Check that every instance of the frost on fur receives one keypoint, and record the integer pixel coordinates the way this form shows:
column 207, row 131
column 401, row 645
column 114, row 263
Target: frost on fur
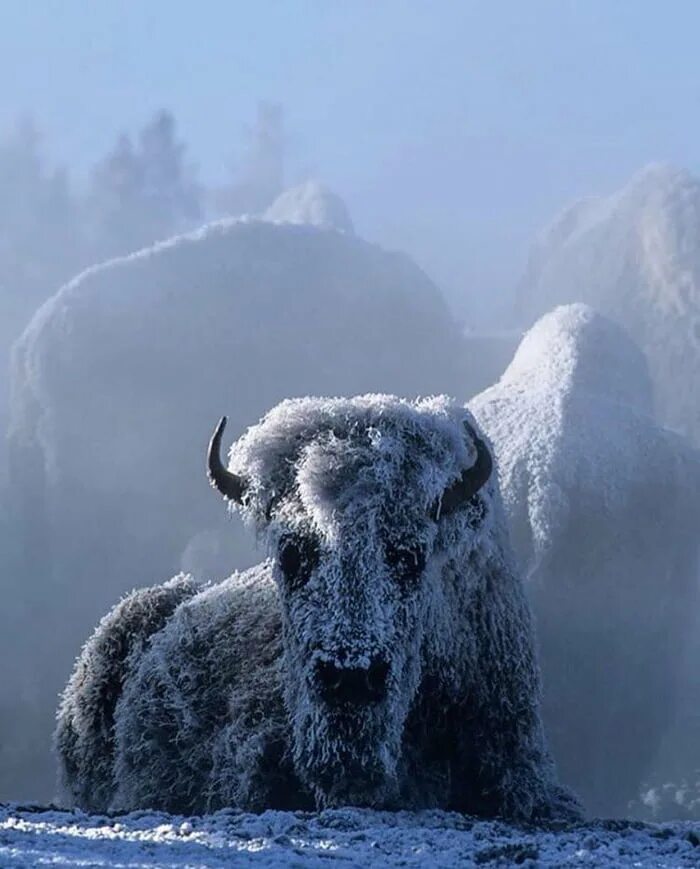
column 602, row 505
column 85, row 735
column 382, row 656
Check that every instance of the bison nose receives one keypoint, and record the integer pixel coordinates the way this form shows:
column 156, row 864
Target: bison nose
column 357, row 685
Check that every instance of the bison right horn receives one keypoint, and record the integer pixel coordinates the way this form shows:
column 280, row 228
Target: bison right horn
column 231, row 486
column 471, row 480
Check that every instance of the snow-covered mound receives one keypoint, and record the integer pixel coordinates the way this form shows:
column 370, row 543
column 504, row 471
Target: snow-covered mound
column 120, row 377
column 602, row 505
column 32, row 836
column 634, row 256
column 311, row 203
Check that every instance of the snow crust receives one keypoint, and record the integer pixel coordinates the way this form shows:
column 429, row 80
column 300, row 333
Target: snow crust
column 310, row 203
column 34, row 836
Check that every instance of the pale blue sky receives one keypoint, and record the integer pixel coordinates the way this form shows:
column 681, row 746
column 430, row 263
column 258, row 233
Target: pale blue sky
column 454, row 130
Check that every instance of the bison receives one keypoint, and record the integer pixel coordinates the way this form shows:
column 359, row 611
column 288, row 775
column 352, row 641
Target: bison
column 602, row 504
column 382, row 656
column 145, row 346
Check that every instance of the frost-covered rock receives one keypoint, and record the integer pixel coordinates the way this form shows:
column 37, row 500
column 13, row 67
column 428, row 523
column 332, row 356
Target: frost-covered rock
column 118, row 376
column 382, row 657
column 634, row 256
column 603, row 507
column 311, row 203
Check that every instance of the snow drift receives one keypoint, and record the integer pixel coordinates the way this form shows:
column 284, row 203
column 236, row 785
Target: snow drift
column 603, row 509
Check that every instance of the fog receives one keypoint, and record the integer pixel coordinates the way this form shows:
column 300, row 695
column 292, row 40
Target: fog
column 205, row 212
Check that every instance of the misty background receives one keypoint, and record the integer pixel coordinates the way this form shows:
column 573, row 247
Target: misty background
column 502, row 150
column 454, row 131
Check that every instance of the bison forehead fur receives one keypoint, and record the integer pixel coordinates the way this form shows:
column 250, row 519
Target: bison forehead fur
column 382, row 656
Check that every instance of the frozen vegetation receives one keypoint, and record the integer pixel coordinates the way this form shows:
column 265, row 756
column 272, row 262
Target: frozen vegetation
column 603, row 507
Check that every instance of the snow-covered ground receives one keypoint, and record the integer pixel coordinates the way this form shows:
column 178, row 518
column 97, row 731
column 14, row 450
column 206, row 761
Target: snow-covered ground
column 33, row 836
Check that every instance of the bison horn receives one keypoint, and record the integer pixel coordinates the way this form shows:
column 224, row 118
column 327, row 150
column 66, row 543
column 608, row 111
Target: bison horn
column 231, row 486
column 471, row 480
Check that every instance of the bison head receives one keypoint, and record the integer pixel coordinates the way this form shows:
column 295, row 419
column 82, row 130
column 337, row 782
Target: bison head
column 370, row 507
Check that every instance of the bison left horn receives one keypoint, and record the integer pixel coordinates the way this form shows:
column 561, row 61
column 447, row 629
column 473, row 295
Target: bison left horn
column 231, row 486
column 471, row 480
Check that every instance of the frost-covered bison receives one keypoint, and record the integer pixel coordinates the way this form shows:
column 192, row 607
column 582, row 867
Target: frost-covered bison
column 121, row 371
column 382, row 657
column 635, row 257
column 603, row 507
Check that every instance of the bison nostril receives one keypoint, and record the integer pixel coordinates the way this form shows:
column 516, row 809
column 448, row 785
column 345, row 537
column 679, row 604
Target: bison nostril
column 332, row 678
column 358, row 685
column 376, row 677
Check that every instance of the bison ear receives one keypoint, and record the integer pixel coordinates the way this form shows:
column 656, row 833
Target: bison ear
column 471, row 480
column 231, row 486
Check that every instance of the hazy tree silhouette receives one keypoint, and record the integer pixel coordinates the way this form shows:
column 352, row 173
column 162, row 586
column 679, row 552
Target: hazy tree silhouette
column 141, row 192
column 260, row 177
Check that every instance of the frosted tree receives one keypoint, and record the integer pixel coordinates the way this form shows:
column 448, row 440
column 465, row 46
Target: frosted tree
column 168, row 190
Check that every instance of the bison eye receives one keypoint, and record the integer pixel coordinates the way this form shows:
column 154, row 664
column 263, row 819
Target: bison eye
column 297, row 559
column 406, row 562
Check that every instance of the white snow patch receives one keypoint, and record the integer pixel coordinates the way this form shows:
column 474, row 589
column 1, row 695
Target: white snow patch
column 34, row 836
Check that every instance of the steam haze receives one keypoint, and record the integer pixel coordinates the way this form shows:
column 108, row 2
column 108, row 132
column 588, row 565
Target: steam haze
column 453, row 130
